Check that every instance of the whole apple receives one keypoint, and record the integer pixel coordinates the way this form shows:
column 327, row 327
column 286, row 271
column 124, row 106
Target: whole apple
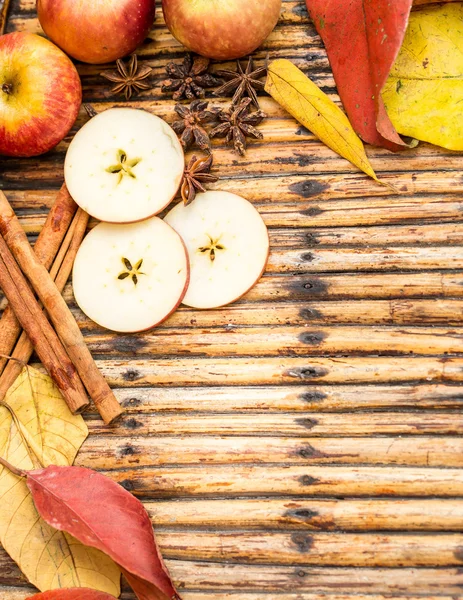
column 40, row 94
column 221, row 29
column 97, row 31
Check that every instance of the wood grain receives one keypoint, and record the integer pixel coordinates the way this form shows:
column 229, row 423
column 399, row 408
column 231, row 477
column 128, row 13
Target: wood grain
column 304, row 443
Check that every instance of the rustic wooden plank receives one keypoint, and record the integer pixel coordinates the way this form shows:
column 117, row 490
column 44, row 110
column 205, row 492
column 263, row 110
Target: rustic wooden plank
column 401, row 258
column 304, row 209
column 291, row 480
column 318, row 183
column 312, row 514
column 436, row 234
column 417, row 235
column 281, row 424
column 296, row 288
column 280, row 341
column 296, row 398
column 366, row 312
column 287, row 370
column 210, row 577
column 158, row 449
column 302, row 548
column 423, row 284
column 286, row 148
column 375, row 259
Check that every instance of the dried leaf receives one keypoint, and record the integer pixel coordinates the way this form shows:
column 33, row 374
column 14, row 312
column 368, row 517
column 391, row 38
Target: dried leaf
column 363, row 39
column 37, row 429
column 311, row 107
column 424, row 93
column 103, row 515
column 72, row 594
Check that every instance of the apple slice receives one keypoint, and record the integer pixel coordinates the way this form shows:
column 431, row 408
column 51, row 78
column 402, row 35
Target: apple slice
column 131, row 277
column 228, row 246
column 124, row 165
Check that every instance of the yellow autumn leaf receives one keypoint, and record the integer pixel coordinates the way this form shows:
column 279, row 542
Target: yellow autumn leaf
column 424, row 92
column 36, row 430
column 310, row 106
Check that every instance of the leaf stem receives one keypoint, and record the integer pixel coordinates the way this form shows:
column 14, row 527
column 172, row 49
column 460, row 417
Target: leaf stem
column 6, row 357
column 14, row 470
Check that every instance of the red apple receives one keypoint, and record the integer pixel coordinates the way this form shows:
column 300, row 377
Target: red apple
column 97, row 31
column 221, row 29
column 40, row 94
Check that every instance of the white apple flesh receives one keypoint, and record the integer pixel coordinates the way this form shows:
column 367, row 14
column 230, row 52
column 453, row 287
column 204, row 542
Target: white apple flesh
column 130, row 278
column 228, row 246
column 124, row 165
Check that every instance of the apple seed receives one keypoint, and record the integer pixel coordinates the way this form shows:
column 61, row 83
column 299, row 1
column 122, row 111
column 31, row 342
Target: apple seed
column 124, row 166
column 212, row 247
column 132, row 272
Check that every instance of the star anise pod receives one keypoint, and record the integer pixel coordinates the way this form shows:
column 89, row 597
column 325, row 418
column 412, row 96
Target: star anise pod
column 196, row 174
column 244, row 82
column 189, row 79
column 129, row 79
column 237, row 123
column 190, row 128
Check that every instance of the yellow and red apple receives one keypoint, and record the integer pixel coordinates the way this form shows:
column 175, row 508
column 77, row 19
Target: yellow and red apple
column 40, row 94
column 97, row 31
column 221, row 29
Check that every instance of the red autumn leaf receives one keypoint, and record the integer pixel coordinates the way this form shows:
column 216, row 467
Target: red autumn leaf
column 362, row 39
column 101, row 514
column 72, row 594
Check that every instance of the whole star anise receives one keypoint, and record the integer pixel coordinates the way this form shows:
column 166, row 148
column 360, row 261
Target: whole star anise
column 196, row 174
column 190, row 128
column 237, row 123
column 244, row 82
column 189, row 79
column 129, row 79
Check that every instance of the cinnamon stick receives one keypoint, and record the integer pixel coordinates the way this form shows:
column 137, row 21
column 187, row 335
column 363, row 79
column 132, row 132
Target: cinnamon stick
column 46, row 248
column 47, row 344
column 60, row 272
column 59, row 313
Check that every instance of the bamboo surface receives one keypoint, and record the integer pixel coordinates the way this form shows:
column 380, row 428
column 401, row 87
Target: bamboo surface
column 306, row 442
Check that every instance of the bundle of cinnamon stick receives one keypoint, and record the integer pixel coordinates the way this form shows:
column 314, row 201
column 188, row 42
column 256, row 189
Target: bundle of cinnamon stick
column 53, row 334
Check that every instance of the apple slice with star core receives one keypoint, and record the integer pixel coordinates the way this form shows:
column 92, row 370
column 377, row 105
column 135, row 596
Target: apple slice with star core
column 129, row 278
column 124, row 165
column 228, row 246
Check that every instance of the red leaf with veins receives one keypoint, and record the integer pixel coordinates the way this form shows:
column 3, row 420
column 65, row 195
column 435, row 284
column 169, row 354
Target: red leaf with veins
column 72, row 594
column 362, row 39
column 101, row 514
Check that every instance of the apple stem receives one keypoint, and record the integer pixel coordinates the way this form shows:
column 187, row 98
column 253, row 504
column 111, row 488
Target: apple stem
column 7, row 88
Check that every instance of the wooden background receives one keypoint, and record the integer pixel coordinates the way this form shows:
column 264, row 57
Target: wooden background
column 307, row 440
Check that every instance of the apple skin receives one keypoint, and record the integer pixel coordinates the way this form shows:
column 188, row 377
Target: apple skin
column 40, row 94
column 221, row 29
column 97, row 32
